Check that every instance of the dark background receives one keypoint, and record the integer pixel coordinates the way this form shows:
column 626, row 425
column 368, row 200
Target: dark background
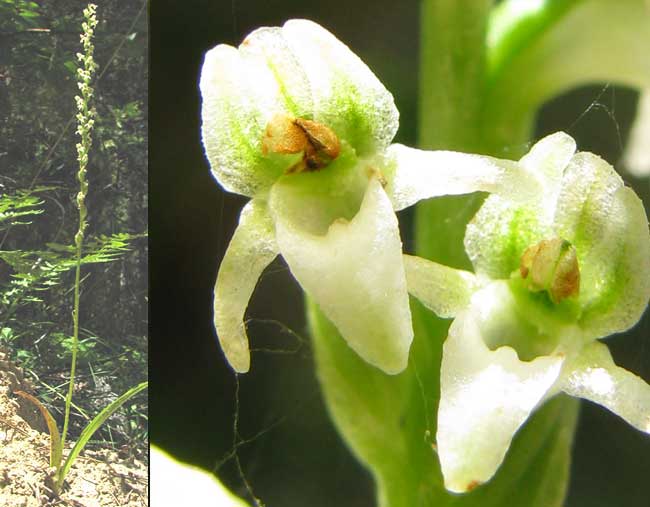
column 292, row 455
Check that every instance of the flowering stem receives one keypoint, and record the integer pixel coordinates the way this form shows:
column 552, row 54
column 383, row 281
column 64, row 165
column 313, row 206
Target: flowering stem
column 85, row 123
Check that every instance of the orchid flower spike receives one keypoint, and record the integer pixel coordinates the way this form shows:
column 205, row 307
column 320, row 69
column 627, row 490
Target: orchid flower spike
column 296, row 121
column 553, row 274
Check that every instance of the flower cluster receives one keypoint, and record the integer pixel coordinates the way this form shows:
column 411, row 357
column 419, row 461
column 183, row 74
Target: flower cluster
column 560, row 249
column 85, row 113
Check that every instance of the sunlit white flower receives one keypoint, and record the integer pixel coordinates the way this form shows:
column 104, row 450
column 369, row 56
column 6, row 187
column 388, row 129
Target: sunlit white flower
column 294, row 120
column 553, row 273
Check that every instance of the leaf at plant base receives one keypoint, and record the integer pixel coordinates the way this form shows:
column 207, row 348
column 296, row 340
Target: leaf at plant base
column 92, row 427
column 56, row 450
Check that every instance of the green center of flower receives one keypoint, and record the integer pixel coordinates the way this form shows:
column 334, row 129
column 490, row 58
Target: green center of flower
column 552, row 266
column 286, row 135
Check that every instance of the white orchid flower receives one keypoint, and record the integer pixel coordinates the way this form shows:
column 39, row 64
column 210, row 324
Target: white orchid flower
column 296, row 121
column 553, row 274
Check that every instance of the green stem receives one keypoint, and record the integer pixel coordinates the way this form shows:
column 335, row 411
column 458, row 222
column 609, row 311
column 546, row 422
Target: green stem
column 452, row 68
column 75, row 343
column 452, row 63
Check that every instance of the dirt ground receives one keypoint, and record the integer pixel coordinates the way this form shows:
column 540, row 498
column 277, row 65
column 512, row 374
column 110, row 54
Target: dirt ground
column 97, row 478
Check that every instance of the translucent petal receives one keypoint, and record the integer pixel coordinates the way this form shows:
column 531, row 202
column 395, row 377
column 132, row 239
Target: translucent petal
column 347, row 96
column 269, row 45
column 251, row 249
column 299, row 70
column 240, row 95
column 414, row 175
column 607, row 224
column 594, row 376
column 485, row 397
column 355, row 274
column 505, row 226
column 500, row 232
column 443, row 290
column 548, row 159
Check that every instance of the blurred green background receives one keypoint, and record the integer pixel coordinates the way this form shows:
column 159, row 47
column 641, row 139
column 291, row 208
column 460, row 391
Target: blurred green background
column 292, row 455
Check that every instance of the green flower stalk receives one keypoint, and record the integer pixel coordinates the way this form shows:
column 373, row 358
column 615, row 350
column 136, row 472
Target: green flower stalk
column 85, row 122
column 296, row 121
column 553, row 274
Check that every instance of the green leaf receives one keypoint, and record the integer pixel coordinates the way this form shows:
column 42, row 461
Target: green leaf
column 71, row 66
column 21, row 204
column 56, row 449
column 92, row 427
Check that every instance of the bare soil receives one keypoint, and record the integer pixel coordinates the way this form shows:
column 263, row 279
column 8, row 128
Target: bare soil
column 96, row 479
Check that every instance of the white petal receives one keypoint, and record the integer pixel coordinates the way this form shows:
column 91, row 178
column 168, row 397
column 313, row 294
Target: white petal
column 251, row 249
column 485, row 397
column 443, row 290
column 414, row 175
column 594, row 376
column 269, row 45
column 347, row 96
column 298, row 70
column 607, row 224
column 240, row 94
column 547, row 159
column 355, row 274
